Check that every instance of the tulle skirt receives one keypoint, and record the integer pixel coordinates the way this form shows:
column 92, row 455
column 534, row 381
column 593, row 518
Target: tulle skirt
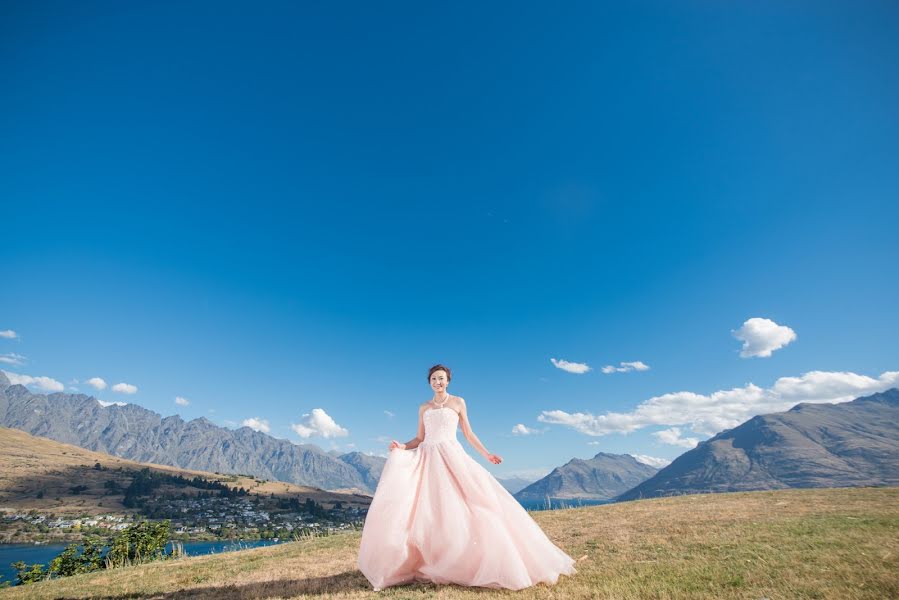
column 439, row 516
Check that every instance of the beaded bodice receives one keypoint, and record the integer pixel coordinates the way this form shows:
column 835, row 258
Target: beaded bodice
column 440, row 425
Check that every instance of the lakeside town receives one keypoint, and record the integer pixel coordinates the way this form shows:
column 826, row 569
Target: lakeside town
column 192, row 518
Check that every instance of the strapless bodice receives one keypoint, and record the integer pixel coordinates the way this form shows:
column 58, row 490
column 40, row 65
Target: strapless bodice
column 440, row 425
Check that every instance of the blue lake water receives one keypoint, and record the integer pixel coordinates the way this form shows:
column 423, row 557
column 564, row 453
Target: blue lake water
column 44, row 553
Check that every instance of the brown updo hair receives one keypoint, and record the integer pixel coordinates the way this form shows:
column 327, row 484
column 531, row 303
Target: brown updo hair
column 449, row 374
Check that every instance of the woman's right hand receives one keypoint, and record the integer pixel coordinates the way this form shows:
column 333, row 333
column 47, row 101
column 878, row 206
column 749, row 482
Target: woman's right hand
column 396, row 444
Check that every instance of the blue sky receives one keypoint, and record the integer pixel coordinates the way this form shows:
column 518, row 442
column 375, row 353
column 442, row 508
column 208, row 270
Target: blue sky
column 268, row 210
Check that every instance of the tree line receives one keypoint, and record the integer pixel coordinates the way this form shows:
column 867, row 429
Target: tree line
column 146, row 481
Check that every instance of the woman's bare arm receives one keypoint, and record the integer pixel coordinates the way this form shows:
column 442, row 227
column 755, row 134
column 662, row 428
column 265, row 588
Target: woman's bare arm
column 420, row 436
column 470, row 435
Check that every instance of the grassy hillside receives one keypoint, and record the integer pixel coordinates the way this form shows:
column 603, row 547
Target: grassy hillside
column 30, row 464
column 813, row 543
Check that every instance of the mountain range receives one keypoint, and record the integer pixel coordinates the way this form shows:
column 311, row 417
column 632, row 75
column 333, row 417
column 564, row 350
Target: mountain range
column 811, row 445
column 141, row 435
column 599, row 478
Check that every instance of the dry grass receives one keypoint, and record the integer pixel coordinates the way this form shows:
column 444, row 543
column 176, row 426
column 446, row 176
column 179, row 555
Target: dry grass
column 785, row 544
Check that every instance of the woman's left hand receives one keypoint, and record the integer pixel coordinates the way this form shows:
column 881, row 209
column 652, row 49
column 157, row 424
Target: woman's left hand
column 495, row 458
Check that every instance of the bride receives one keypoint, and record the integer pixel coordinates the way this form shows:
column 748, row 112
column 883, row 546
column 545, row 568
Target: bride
column 439, row 516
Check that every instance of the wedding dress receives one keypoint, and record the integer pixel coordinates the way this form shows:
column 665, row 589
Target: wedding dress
column 439, row 516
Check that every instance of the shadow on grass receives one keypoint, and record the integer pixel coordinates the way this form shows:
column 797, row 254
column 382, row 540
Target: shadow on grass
column 348, row 581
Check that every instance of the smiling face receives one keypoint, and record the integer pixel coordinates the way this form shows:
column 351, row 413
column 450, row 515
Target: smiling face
column 439, row 381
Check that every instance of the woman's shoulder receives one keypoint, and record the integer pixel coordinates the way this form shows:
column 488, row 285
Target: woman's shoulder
column 457, row 402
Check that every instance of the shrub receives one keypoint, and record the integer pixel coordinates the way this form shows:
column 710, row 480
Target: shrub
column 142, row 542
column 70, row 562
column 28, row 574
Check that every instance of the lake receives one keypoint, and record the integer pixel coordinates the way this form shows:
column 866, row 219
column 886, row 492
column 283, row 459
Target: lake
column 44, row 553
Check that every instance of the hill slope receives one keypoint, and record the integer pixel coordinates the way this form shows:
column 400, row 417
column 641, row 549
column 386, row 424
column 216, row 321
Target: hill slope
column 812, row 543
column 30, row 464
column 811, row 445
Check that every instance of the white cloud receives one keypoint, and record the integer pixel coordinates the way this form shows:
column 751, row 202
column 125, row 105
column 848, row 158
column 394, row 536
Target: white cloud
column 724, row 409
column 97, row 383
column 652, row 461
column 626, row 366
column 673, row 437
column 105, row 404
column 522, row 429
column 320, row 424
column 9, row 334
column 46, row 384
column 571, row 367
column 11, row 358
column 839, row 386
column 124, row 388
column 257, row 424
column 389, row 414
column 761, row 337
column 181, row 401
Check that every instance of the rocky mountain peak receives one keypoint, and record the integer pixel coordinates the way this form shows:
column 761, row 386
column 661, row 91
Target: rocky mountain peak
column 601, row 478
column 820, row 444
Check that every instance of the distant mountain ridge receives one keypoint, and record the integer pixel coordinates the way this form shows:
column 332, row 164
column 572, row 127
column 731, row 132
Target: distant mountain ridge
column 811, row 445
column 599, row 478
column 514, row 484
column 141, row 435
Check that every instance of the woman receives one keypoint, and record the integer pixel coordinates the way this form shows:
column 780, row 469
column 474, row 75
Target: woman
column 439, row 516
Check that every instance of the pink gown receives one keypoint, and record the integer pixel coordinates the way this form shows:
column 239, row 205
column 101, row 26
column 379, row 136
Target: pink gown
column 439, row 516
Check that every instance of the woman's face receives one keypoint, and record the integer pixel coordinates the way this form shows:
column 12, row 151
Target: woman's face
column 439, row 381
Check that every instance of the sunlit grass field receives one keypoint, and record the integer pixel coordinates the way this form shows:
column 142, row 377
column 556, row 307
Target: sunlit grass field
column 814, row 543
